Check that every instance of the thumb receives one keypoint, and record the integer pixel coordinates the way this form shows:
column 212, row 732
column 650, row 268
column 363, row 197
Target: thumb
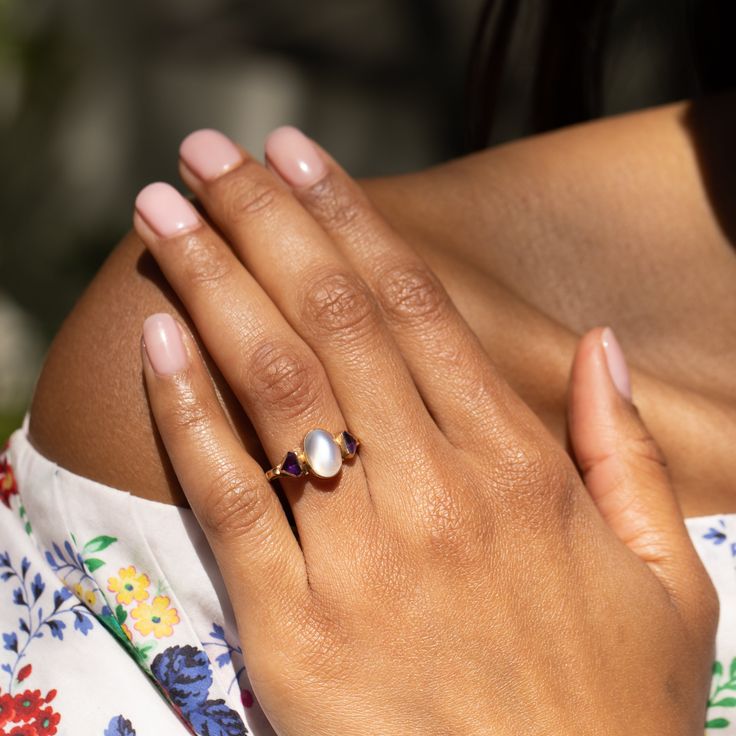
column 622, row 465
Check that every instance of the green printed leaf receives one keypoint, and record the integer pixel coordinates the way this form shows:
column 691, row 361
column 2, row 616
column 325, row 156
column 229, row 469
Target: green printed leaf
column 120, row 614
column 725, row 703
column 142, row 652
column 718, row 723
column 92, row 563
column 99, row 543
column 732, row 672
column 717, row 668
column 28, row 528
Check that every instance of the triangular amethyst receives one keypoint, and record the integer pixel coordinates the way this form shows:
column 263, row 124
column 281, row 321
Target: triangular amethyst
column 351, row 444
column 290, row 465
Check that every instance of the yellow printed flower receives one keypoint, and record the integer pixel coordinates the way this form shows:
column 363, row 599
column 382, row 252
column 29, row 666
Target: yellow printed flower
column 129, row 586
column 156, row 617
column 85, row 595
column 127, row 632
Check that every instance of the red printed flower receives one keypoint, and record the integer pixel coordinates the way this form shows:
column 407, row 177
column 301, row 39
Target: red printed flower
column 46, row 722
column 27, row 705
column 24, row 729
column 7, row 709
column 24, row 672
column 8, row 486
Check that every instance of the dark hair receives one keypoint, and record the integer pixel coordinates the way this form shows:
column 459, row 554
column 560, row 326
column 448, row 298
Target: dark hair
column 567, row 49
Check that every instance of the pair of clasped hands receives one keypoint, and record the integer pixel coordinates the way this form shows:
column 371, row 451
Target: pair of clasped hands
column 460, row 574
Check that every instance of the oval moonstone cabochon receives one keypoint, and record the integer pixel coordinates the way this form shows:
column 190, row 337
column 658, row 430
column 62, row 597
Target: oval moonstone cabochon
column 322, row 453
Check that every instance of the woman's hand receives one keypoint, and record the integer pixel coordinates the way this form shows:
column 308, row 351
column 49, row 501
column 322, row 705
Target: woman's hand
column 457, row 575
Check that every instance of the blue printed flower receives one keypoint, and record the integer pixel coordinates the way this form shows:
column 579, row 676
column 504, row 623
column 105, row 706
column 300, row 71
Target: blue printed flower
column 60, row 596
column 57, row 628
column 214, row 718
column 82, row 622
column 37, row 587
column 11, row 642
column 119, row 726
column 715, row 535
column 186, row 675
column 184, row 672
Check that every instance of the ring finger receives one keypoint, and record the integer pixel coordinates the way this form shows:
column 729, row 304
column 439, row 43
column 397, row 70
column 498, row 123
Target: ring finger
column 276, row 377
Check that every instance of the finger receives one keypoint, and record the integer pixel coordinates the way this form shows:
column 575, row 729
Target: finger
column 261, row 562
column 447, row 362
column 315, row 288
column 623, row 467
column 277, row 378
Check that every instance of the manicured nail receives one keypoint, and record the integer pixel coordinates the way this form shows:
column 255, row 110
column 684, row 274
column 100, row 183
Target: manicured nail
column 617, row 367
column 165, row 210
column 164, row 346
column 209, row 154
column 295, row 157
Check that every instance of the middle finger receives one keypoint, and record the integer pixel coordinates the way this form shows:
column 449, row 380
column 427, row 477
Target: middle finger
column 315, row 288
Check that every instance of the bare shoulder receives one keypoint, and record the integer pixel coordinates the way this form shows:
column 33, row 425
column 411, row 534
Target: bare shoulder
column 89, row 411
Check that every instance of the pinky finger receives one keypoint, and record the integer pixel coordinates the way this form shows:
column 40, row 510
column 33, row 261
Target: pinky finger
column 258, row 555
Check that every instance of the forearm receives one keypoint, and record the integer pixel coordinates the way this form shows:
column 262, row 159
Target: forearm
column 535, row 242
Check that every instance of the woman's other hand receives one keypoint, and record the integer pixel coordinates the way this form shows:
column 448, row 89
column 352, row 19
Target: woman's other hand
column 458, row 574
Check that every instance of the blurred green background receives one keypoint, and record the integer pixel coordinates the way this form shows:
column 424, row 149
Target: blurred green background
column 95, row 97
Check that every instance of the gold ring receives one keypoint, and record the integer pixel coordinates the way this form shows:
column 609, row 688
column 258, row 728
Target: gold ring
column 321, row 454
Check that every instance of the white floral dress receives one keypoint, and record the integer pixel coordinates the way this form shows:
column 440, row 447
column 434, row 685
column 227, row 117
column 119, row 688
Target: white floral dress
column 114, row 620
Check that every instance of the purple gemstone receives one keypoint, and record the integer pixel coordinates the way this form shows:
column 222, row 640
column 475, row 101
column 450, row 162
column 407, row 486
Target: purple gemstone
column 290, row 465
column 351, row 444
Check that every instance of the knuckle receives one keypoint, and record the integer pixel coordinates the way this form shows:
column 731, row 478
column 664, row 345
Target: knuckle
column 232, row 506
column 334, row 206
column 189, row 416
column 412, row 294
column 536, row 483
column 453, row 526
column 247, row 192
column 339, row 303
column 203, row 262
column 284, row 376
column 645, row 447
column 443, row 521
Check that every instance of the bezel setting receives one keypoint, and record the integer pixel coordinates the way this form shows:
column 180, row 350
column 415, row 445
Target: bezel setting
column 297, row 463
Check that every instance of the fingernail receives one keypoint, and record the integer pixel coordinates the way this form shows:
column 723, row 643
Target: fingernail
column 295, row 157
column 617, row 367
column 165, row 210
column 209, row 154
column 163, row 343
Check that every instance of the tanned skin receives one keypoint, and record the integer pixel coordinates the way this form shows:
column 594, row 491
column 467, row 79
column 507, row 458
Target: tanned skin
column 623, row 222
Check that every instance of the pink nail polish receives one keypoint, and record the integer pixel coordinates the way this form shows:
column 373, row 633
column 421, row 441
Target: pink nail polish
column 617, row 367
column 209, row 154
column 164, row 346
column 295, row 157
column 165, row 210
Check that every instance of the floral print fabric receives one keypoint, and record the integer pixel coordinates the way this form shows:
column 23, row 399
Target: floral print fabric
column 114, row 620
column 715, row 540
